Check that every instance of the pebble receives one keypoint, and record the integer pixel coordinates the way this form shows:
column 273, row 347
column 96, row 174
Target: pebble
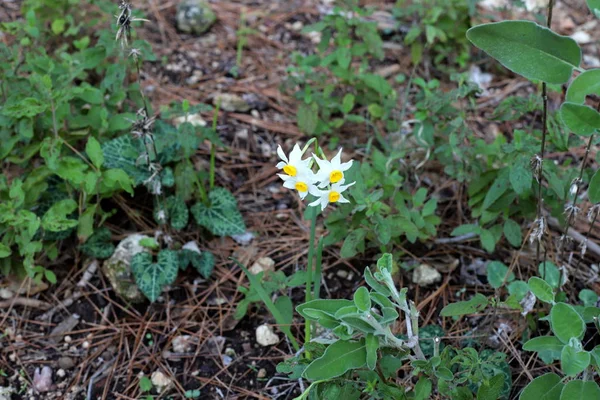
column 265, row 336
column 425, row 275
column 66, row 363
column 342, row 273
column 261, row 373
column 6, row 294
column 263, row 264
column 182, row 344
column 581, row 37
column 61, row 373
column 160, row 380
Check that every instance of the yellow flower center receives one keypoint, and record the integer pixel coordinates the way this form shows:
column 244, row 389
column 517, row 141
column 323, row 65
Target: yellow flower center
column 290, row 170
column 336, row 176
column 333, row 196
column 301, row 186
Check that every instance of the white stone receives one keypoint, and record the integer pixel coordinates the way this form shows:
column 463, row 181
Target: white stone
column 265, row 336
column 194, row 119
column 243, row 239
column 581, row 37
column 6, row 294
column 263, row 264
column 160, row 380
column 182, row 344
column 425, row 275
column 192, row 246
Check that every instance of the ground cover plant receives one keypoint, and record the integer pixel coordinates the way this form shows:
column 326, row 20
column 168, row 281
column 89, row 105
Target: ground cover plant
column 379, row 200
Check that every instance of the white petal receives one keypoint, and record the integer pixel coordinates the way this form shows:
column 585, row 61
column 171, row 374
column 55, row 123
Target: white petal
column 337, row 159
column 281, row 164
column 314, row 191
column 302, row 195
column 315, row 203
column 320, row 163
column 324, row 202
column 346, row 166
column 289, row 184
column 284, row 177
column 281, row 154
column 342, row 199
column 296, row 154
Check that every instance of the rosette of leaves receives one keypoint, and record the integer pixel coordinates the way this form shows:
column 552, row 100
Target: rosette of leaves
column 204, row 262
column 99, row 245
column 221, row 217
column 152, row 277
column 173, row 210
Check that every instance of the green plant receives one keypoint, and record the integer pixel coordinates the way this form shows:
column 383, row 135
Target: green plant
column 337, row 81
column 362, row 354
column 438, row 27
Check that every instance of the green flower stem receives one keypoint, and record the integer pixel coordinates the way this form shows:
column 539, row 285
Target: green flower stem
column 309, row 271
column 213, row 149
column 317, row 289
column 264, row 296
column 201, row 189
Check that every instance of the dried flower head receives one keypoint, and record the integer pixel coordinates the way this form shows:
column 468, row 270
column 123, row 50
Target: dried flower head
column 142, row 126
column 540, row 228
column 583, row 247
column 571, row 211
column 124, row 20
column 574, row 186
column 536, row 166
column 593, row 212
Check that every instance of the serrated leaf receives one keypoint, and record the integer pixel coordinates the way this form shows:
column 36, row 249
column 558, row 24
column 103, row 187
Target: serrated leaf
column 528, row 49
column 56, row 218
column 582, row 120
column 339, row 357
column 152, row 277
column 222, row 217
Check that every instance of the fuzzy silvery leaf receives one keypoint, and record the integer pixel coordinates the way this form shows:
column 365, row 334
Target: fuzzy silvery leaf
column 151, row 277
column 222, row 217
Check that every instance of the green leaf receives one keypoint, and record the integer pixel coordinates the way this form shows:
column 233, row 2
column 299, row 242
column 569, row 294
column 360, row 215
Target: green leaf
column 594, row 188
column 476, row 304
column 372, row 345
column 222, row 217
column 375, row 110
column 498, row 188
column 85, row 227
column 488, row 241
column 204, row 264
column 588, row 297
column 174, row 210
column 550, row 273
column 566, row 322
column 285, row 307
column 544, row 343
column 496, row 271
column 354, row 243
column 573, row 361
column 585, row 84
column 94, row 152
column 362, row 300
column 466, row 229
column 594, row 6
column 541, row 289
column 115, row 179
column 123, row 153
column 490, row 390
column 339, row 357
column 581, row 119
column 308, row 118
column 520, row 176
column 56, row 218
column 4, row 251
column 545, row 387
column 99, row 245
column 580, row 390
column 512, row 232
column 518, row 288
column 348, row 103
column 528, row 49
column 423, row 389
column 328, row 306
column 145, row 384
column 152, row 277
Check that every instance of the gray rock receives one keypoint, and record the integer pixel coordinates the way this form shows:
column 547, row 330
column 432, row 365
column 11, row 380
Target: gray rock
column 232, row 102
column 66, row 362
column 425, row 275
column 195, row 16
column 118, row 268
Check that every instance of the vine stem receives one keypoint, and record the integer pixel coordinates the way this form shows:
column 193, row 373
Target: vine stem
column 543, row 146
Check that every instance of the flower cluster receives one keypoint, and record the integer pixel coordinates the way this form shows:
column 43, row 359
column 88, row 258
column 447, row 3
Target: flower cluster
column 327, row 184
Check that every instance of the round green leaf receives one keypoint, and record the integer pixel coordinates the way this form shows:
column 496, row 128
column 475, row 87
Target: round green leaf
column 362, row 300
column 585, row 84
column 544, row 343
column 545, row 387
column 573, row 361
column 588, row 297
column 580, row 390
column 566, row 322
column 594, row 6
column 580, row 119
column 528, row 49
column 541, row 289
column 496, row 271
column 594, row 188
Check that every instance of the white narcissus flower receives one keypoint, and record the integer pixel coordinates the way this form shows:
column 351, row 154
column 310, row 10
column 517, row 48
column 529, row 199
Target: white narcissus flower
column 331, row 171
column 303, row 181
column 331, row 195
column 295, row 162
